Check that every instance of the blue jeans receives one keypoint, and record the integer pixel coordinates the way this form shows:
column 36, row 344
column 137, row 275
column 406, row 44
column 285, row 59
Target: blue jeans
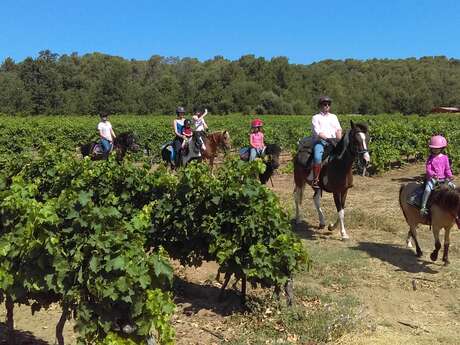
column 255, row 153
column 318, row 150
column 106, row 145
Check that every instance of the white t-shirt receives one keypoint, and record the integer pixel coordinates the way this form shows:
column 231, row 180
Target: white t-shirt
column 199, row 123
column 325, row 123
column 106, row 129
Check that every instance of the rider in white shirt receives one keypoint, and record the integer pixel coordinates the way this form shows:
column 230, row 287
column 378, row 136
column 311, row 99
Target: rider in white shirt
column 325, row 126
column 106, row 133
column 200, row 126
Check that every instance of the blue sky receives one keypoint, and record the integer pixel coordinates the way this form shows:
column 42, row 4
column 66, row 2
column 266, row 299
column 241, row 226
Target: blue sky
column 304, row 31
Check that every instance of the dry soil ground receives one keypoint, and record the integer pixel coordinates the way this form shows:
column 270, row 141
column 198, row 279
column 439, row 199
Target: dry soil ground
column 400, row 299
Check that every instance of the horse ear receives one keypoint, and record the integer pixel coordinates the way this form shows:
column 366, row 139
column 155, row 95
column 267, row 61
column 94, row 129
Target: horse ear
column 352, row 124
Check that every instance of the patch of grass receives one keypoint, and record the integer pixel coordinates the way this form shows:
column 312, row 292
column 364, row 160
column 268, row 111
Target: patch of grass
column 357, row 218
column 334, row 266
column 315, row 319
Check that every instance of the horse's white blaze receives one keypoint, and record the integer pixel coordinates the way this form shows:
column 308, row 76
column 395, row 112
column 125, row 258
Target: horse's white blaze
column 317, row 202
column 366, row 155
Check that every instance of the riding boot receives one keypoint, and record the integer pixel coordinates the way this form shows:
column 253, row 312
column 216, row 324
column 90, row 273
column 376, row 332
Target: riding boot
column 423, row 209
column 316, row 173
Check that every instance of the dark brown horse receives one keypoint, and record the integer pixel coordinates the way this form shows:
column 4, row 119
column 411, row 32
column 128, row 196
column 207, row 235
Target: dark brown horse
column 444, row 205
column 336, row 175
column 214, row 142
column 123, row 143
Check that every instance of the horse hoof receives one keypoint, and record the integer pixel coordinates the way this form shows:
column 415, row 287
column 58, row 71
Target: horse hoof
column 409, row 244
column 446, row 262
column 434, row 256
column 419, row 254
column 321, row 226
column 330, row 227
column 345, row 237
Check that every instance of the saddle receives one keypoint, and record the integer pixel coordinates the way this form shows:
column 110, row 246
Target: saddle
column 305, row 152
column 97, row 149
column 415, row 199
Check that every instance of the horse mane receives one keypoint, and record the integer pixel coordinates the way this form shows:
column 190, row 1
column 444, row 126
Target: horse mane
column 345, row 140
column 272, row 149
column 447, row 199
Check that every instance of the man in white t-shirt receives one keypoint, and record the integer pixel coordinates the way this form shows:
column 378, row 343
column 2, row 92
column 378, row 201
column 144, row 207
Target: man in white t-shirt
column 106, row 133
column 325, row 126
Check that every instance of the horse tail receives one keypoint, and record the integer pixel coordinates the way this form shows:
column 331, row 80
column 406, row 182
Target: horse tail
column 401, row 202
column 299, row 182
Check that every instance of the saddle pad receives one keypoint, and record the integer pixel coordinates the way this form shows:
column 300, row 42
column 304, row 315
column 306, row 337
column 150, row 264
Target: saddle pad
column 304, row 150
column 97, row 149
column 244, row 153
column 415, row 199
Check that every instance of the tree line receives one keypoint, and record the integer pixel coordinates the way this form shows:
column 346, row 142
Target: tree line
column 92, row 83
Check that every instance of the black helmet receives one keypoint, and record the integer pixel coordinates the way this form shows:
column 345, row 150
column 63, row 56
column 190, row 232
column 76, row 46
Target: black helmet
column 187, row 122
column 180, row 110
column 324, row 99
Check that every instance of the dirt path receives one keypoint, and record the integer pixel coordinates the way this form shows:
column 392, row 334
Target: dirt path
column 404, row 300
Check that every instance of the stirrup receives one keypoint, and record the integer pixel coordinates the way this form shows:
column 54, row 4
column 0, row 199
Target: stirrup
column 424, row 212
column 315, row 184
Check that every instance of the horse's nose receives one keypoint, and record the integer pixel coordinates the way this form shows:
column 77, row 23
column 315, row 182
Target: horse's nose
column 367, row 157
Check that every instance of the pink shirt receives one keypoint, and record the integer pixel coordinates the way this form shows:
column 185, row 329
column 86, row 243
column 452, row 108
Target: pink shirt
column 257, row 140
column 438, row 166
column 325, row 123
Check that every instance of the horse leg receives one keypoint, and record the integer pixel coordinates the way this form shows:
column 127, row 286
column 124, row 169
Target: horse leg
column 445, row 253
column 317, row 202
column 339, row 200
column 298, row 196
column 413, row 234
column 437, row 243
column 408, row 241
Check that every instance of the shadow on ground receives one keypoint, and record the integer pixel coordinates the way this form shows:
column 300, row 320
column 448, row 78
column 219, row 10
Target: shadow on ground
column 306, row 231
column 402, row 258
column 21, row 337
column 195, row 297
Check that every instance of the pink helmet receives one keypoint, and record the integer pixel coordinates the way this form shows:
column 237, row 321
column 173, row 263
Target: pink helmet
column 437, row 142
column 256, row 123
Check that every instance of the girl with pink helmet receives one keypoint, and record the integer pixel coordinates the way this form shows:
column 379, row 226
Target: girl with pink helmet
column 256, row 140
column 437, row 169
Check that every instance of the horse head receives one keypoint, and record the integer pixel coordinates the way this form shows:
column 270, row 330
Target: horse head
column 225, row 142
column 272, row 152
column 359, row 142
column 127, row 142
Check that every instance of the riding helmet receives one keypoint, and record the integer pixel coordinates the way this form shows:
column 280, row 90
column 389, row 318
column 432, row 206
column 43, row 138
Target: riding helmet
column 324, row 99
column 256, row 123
column 437, row 142
column 180, row 110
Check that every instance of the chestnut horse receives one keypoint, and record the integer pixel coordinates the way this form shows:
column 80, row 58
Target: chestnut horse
column 336, row 174
column 214, row 142
column 444, row 205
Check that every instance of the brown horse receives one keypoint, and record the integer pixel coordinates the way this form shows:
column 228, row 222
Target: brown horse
column 214, row 142
column 444, row 205
column 336, row 175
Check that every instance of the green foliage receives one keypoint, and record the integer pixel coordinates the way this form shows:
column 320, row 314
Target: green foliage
column 74, row 84
column 90, row 235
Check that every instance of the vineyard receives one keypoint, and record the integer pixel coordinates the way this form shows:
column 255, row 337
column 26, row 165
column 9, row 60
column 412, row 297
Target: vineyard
column 97, row 237
column 395, row 139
